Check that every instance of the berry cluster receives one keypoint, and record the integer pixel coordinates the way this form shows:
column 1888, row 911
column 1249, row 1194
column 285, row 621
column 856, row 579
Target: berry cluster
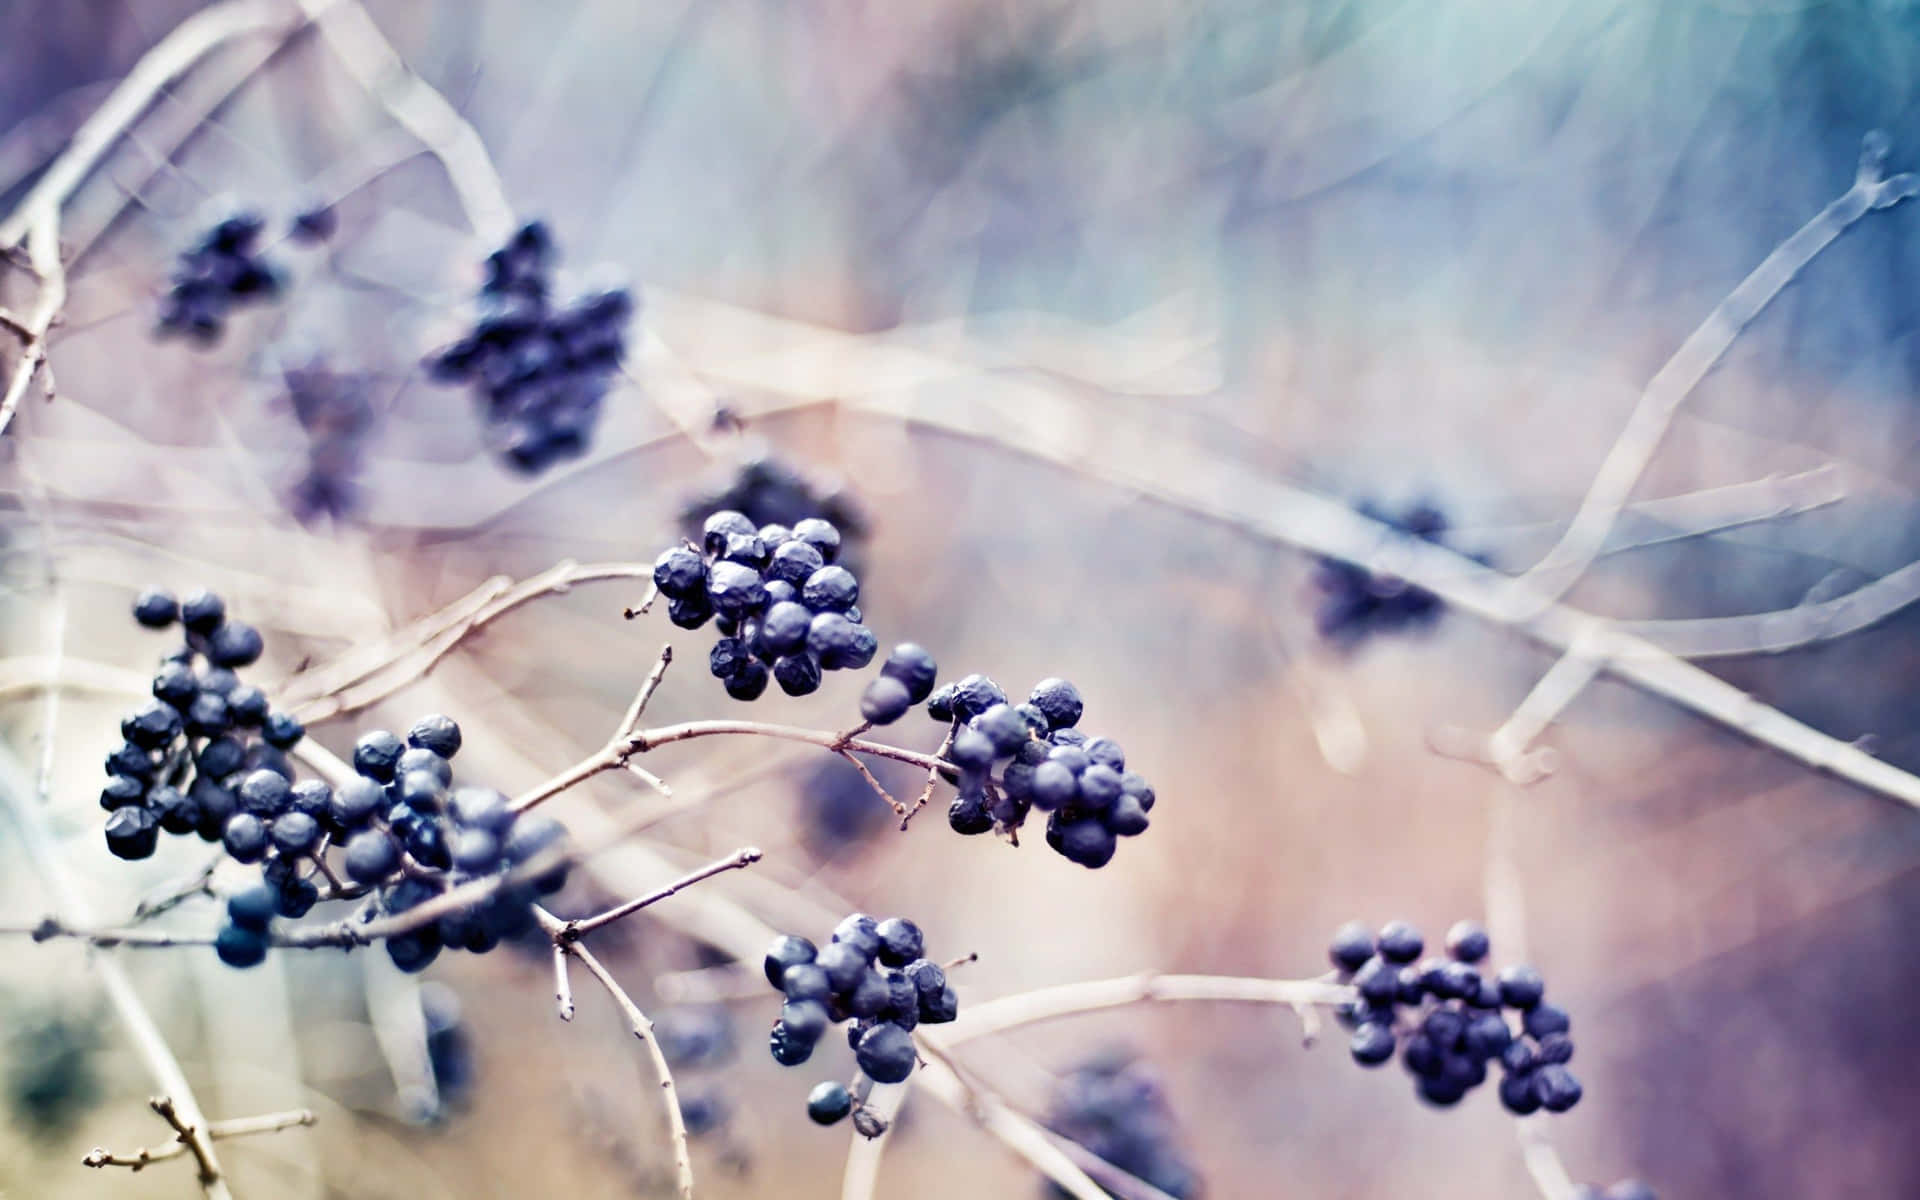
column 1454, row 1025
column 772, row 492
column 539, row 372
column 697, row 1037
column 223, row 269
column 873, row 974
column 786, row 610
column 1114, row 1106
column 406, row 835
column 1080, row 782
column 1626, row 1189
column 1357, row 601
column 336, row 413
column 185, row 753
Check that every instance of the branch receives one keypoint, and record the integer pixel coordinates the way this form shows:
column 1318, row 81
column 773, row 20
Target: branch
column 420, row 110
column 739, row 860
column 1550, row 578
column 1070, row 999
column 183, row 1139
column 366, row 676
column 642, row 1027
column 1787, row 628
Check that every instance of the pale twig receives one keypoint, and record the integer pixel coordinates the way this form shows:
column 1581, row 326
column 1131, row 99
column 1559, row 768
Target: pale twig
column 420, row 110
column 933, row 776
column 1507, row 746
column 200, row 885
column 1787, row 628
column 183, row 1142
column 899, row 809
column 366, row 677
column 1550, row 578
column 739, row 860
column 562, row 987
column 643, row 1029
column 1071, row 999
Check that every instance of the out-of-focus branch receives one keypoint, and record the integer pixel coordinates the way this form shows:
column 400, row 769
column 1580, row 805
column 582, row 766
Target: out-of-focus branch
column 420, row 110
column 366, row 676
column 1071, row 999
column 1787, row 628
column 183, row 1139
column 1547, row 580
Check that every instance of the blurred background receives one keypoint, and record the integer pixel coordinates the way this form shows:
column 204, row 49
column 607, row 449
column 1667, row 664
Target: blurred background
column 913, row 262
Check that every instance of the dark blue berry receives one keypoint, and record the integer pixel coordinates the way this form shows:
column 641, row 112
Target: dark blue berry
column 789, row 1050
column 804, row 1019
column 282, row 730
column 805, row 981
column 481, row 808
column 215, row 804
column 1555, row 1048
column 1099, row 787
column 234, row 644
column 797, row 674
column 246, row 837
column 264, row 793
column 680, row 573
column 843, row 964
column 720, row 525
column 1487, row 1035
column 914, row 668
column 177, row 813
column 208, row 715
column 828, row 1103
column 1106, row 752
column 1378, row 981
column 476, row 851
column 735, row 590
column 295, row 833
column 869, row 996
column 253, row 907
column 690, row 612
column 1352, row 946
column 1400, row 942
column 1556, row 1087
column 371, row 855
column 1059, row 701
column 900, row 941
column 419, row 758
column 156, row 609
column 1467, row 942
column 1087, row 842
column 940, row 1009
column 129, row 759
column 176, row 684
column 1543, row 1019
column 297, row 897
column 1372, row 1044
column 884, row 701
column 787, row 951
column 886, row 1053
column 749, row 682
column 122, row 790
column 376, row 754
column 435, row 732
column 354, row 805
column 203, row 611
column 968, row 814
column 132, row 833
column 1517, row 1093
column 240, row 947
column 1054, row 786
column 974, row 695
column 1521, row 987
column 247, row 705
column 152, row 726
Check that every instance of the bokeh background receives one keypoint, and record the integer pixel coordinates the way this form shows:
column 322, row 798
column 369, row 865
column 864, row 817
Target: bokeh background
column 1384, row 251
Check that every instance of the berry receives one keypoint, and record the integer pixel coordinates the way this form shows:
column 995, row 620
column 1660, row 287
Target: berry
column 1517, row 1093
column 680, row 573
column 122, row 790
column 312, row 797
column 843, row 965
column 253, row 907
column 177, row 813
column 208, row 715
column 1521, row 987
column 968, row 814
column 828, row 1103
column 476, row 851
column 821, row 535
column 1054, row 785
column 1058, row 701
column 376, row 754
column 1127, row 818
column 371, row 856
column 1400, row 942
column 1099, row 787
column 1543, row 1019
column 804, row 1019
column 1555, row 1048
column 971, row 750
column 247, row 706
column 1106, row 752
column 1467, row 942
column 282, row 730
column 789, row 1050
column 1372, row 1044
column 1087, row 842
column 1117, row 1110
column 353, row 806
column 749, row 682
column 203, row 612
column 784, row 628
column 786, row 951
column 797, row 674
column 885, row 701
column 928, row 978
column 974, row 695
column 156, row 609
column 295, row 833
column 1556, row 1088
column 900, row 941
column 234, row 644
column 176, row 684
column 940, row 1009
column 264, row 794
column 886, row 1053
column 1378, row 981
column 245, row 837
column 1352, row 946
column 129, row 759
column 1628, row 1189
column 735, row 590
column 240, row 947
column 805, row 981
column 417, row 758
column 722, row 525
column 913, row 668
column 132, row 833
column 153, row 726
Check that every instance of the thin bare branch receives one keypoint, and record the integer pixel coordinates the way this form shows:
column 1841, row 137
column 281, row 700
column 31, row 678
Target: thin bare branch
column 739, row 860
column 181, row 1144
column 643, row 1029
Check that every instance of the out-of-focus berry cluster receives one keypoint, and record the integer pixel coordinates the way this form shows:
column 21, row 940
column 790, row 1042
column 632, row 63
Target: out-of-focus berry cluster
column 185, row 753
column 1355, row 602
column 334, row 410
column 785, row 609
column 1115, row 1107
column 1448, row 1020
column 873, row 974
column 222, row 270
column 694, row 1039
column 1625, row 1189
column 539, row 371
